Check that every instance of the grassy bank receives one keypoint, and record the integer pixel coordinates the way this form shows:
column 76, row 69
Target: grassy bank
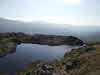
column 8, row 41
column 82, row 61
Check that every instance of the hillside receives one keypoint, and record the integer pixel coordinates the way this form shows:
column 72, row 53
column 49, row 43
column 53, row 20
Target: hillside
column 82, row 61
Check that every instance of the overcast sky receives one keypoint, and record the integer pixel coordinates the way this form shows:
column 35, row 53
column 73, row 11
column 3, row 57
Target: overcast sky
column 76, row 12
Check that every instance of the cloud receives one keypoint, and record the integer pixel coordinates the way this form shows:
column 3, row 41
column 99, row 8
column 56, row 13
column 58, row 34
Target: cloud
column 59, row 19
column 72, row 1
column 19, row 19
column 73, row 20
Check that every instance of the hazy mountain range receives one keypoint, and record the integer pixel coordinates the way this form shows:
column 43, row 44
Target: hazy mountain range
column 84, row 32
column 33, row 27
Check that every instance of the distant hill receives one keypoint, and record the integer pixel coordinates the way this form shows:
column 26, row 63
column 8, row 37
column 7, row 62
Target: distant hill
column 86, row 33
column 34, row 27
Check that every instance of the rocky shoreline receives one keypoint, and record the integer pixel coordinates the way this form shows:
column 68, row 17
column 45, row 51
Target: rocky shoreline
column 9, row 41
column 82, row 61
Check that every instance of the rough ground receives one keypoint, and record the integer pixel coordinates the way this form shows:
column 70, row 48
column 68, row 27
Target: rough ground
column 8, row 41
column 83, row 61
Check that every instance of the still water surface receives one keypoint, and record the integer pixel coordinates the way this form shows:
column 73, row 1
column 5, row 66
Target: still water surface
column 25, row 53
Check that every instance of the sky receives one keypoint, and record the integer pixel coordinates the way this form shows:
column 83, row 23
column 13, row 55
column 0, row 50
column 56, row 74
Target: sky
column 75, row 12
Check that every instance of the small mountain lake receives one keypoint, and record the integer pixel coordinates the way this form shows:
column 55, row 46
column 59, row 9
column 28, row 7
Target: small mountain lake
column 25, row 53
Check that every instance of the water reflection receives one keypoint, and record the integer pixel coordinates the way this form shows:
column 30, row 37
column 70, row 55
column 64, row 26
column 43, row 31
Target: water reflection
column 25, row 53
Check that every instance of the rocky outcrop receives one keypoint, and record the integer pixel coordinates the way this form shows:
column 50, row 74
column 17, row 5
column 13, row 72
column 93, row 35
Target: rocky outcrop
column 8, row 41
column 6, row 46
column 81, row 61
column 42, row 39
column 44, row 70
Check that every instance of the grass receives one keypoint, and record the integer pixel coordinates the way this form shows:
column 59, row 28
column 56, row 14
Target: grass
column 77, row 62
column 89, row 62
column 81, row 63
